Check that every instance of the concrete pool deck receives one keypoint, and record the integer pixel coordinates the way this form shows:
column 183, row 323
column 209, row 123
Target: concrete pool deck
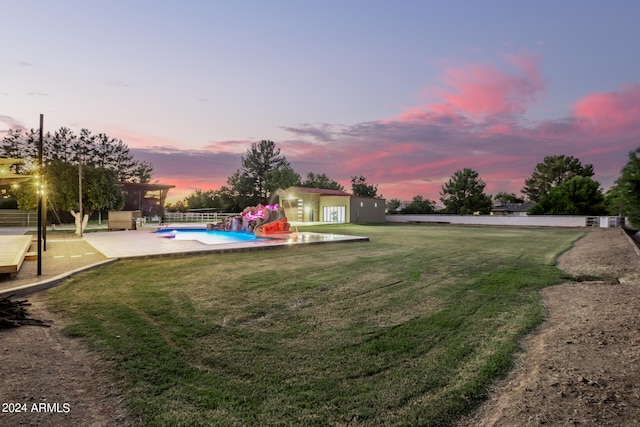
column 67, row 254
column 146, row 243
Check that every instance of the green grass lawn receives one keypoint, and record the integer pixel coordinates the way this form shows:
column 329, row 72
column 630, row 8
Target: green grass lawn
column 407, row 329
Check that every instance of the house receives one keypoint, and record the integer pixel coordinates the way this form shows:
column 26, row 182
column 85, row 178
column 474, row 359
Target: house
column 511, row 209
column 322, row 205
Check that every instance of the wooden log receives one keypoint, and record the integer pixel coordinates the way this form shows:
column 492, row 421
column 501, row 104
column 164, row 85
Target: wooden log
column 14, row 314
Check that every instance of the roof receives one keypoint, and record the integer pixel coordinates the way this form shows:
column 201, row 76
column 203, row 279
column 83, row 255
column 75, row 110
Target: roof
column 321, row 191
column 512, row 207
column 5, row 162
column 145, row 186
column 6, row 176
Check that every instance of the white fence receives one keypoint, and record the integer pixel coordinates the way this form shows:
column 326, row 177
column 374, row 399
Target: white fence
column 197, row 216
column 516, row 221
column 18, row 218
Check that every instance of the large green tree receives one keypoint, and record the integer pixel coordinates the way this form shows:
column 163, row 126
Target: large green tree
column 99, row 191
column 624, row 196
column 464, row 194
column 393, row 206
column 359, row 187
column 507, row 198
column 281, row 178
column 104, row 161
column 615, row 200
column 578, row 195
column 249, row 184
column 203, row 200
column 420, row 205
column 321, row 181
column 551, row 172
column 229, row 199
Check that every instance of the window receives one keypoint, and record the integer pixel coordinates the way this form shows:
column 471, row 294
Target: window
column 334, row 214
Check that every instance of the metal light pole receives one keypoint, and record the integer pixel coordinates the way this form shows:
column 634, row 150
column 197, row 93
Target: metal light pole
column 80, row 216
column 40, row 197
column 44, row 214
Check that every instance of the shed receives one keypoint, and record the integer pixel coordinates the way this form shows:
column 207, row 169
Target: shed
column 336, row 206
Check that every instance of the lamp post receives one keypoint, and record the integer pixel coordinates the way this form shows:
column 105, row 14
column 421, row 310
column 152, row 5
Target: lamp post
column 80, row 216
column 40, row 197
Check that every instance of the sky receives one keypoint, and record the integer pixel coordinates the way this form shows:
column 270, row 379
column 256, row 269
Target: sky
column 402, row 92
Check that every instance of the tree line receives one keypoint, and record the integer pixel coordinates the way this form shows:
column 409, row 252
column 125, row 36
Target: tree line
column 264, row 171
column 104, row 162
column 559, row 185
column 64, row 146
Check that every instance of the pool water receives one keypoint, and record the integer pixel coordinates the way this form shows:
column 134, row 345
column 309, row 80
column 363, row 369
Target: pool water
column 208, row 237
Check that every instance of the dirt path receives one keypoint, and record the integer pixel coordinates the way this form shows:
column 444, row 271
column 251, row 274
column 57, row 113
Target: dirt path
column 51, row 380
column 580, row 368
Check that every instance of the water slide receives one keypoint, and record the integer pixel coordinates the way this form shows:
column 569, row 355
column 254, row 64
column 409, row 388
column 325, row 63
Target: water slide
column 271, row 221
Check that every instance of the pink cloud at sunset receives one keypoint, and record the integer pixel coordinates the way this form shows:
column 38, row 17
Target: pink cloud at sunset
column 404, row 95
column 142, row 140
column 227, row 147
column 189, row 170
column 610, row 112
column 475, row 117
column 186, row 186
column 483, row 90
column 480, row 123
column 10, row 123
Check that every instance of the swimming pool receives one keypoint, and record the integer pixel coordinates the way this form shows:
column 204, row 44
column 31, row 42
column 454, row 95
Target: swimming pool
column 207, row 237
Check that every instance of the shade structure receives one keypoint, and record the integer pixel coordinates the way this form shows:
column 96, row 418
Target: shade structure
column 6, row 176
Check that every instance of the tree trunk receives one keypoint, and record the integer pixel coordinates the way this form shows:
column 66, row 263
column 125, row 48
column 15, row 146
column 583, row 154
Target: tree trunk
column 80, row 223
column 85, row 221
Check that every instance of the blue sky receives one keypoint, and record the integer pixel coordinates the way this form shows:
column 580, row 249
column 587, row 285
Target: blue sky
column 404, row 93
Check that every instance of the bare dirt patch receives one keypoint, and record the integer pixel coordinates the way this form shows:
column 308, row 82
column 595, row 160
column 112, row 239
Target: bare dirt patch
column 581, row 367
column 51, row 380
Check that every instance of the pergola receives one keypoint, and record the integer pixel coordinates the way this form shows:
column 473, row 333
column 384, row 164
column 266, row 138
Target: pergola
column 148, row 198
